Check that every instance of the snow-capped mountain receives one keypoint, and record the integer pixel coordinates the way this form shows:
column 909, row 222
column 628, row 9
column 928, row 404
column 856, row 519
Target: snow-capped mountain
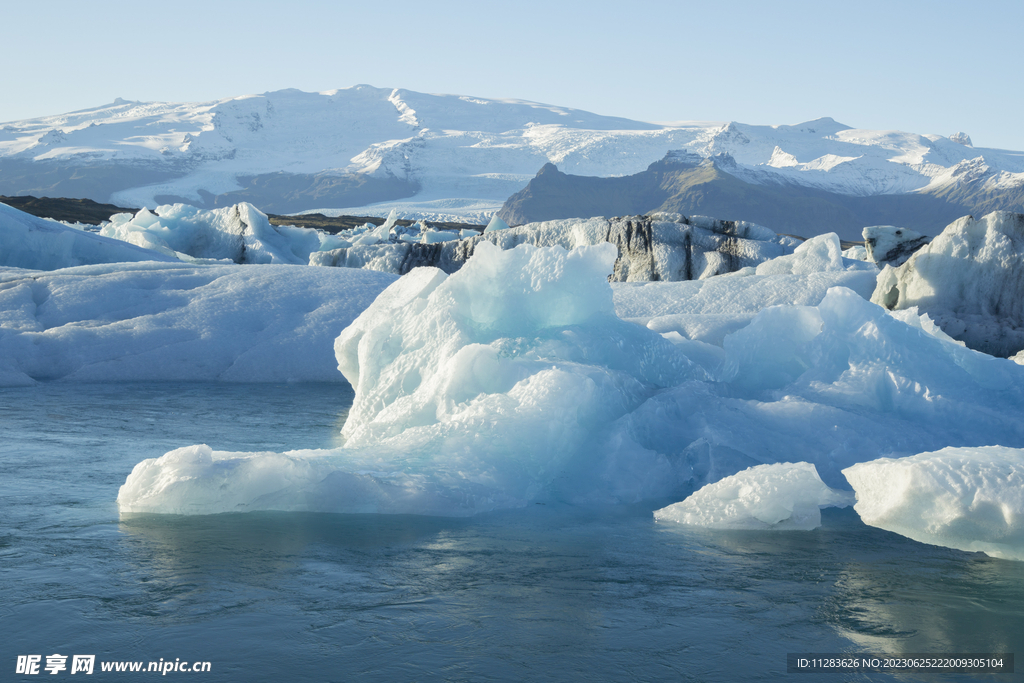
column 291, row 150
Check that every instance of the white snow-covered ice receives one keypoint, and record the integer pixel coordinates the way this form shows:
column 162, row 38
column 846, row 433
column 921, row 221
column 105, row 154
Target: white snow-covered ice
column 966, row 498
column 781, row 496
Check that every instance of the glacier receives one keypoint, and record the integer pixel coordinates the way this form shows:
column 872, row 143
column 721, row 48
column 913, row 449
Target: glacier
column 514, row 381
column 446, row 155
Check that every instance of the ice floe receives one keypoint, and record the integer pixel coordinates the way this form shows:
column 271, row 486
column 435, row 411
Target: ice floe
column 965, row 498
column 781, row 496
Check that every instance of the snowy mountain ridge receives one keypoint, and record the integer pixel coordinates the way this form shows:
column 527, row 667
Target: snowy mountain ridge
column 439, row 148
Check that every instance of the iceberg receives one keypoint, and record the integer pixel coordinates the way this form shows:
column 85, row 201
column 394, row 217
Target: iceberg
column 474, row 391
column 39, row 244
column 666, row 247
column 965, row 498
column 969, row 280
column 889, row 245
column 238, row 234
column 513, row 381
column 496, row 224
column 707, row 310
column 781, row 496
column 174, row 321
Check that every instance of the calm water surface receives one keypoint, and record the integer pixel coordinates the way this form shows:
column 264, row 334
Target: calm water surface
column 544, row 594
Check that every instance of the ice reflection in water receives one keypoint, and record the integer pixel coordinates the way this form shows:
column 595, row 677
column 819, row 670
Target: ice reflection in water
column 547, row 593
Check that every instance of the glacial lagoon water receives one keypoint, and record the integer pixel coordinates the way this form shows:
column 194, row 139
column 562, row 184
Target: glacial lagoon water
column 541, row 594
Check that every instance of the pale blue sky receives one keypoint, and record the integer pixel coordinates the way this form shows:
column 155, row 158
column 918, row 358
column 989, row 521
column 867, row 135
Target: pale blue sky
column 924, row 67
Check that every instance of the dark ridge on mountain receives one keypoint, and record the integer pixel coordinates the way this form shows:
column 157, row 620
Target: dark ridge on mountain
column 684, row 183
column 276, row 192
column 983, row 200
column 64, row 209
column 88, row 181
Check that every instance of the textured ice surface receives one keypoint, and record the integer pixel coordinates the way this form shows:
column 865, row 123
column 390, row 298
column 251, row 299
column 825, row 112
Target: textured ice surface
column 514, row 381
column 781, row 496
column 887, row 244
column 965, row 498
column 822, row 254
column 40, row 244
column 969, row 280
column 239, row 233
column 708, row 310
column 172, row 321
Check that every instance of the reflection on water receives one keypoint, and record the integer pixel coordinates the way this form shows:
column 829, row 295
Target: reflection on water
column 545, row 593
column 885, row 593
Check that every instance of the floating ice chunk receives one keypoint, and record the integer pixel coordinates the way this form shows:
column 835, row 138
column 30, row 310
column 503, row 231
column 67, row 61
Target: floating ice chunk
column 198, row 480
column 484, row 389
column 240, row 233
column 527, row 333
column 781, row 496
column 434, row 236
column 856, row 253
column 40, row 244
column 966, row 498
column 496, row 224
column 819, row 254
